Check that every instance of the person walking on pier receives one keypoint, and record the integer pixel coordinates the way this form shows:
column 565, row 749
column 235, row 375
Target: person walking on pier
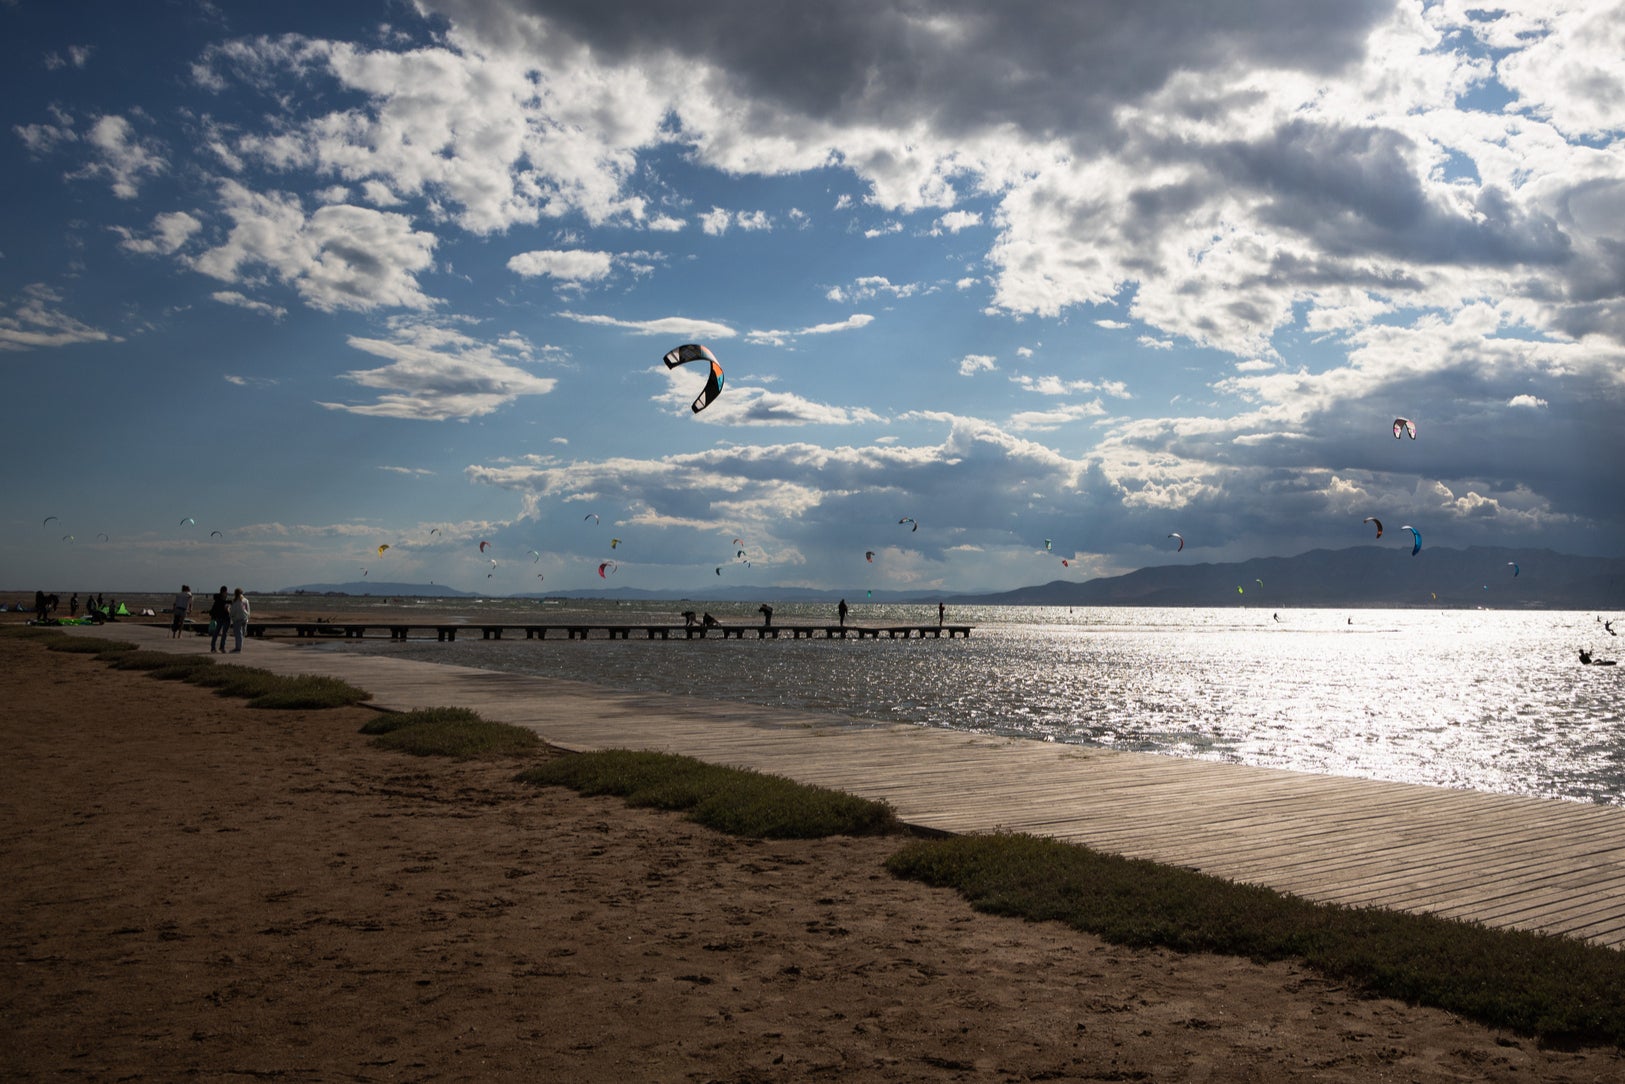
column 942, row 614
column 841, row 610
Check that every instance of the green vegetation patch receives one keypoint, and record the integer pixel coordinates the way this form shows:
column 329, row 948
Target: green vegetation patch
column 732, row 800
column 264, row 689
column 1555, row 988
column 88, row 645
column 449, row 732
column 160, row 664
column 29, row 632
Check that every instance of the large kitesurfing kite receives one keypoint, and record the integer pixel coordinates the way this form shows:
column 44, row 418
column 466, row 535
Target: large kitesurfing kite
column 1416, row 546
column 695, row 352
column 1378, row 522
column 1404, row 425
column 1181, row 538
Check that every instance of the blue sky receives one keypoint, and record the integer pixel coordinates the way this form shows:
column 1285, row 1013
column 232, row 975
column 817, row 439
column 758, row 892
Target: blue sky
column 335, row 276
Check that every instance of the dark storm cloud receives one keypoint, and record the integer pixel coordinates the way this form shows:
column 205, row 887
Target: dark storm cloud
column 1046, row 68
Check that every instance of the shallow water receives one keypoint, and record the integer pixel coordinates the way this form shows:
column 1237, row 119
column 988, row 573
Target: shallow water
column 1488, row 700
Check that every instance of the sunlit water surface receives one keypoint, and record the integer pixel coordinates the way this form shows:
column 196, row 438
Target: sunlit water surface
column 1494, row 701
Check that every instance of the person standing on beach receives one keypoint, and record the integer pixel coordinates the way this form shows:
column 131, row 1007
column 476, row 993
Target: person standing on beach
column 841, row 611
column 219, row 619
column 767, row 615
column 73, row 605
column 239, row 618
column 180, row 608
column 942, row 614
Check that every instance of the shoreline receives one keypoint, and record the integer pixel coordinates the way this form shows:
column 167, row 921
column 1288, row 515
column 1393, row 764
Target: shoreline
column 200, row 888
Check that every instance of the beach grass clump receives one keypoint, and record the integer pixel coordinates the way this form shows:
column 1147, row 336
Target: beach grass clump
column 29, row 632
column 732, row 800
column 449, row 732
column 1551, row 987
column 264, row 689
column 88, row 645
column 160, row 664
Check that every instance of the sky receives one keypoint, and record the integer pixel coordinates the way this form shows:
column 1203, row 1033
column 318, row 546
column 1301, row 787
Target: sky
column 284, row 284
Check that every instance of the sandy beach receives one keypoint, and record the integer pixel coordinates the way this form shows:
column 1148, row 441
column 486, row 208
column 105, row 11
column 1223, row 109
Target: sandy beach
column 198, row 890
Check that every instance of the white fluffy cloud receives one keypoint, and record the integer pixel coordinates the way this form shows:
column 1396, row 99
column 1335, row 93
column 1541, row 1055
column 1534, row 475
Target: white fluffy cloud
column 571, row 266
column 439, row 374
column 337, row 257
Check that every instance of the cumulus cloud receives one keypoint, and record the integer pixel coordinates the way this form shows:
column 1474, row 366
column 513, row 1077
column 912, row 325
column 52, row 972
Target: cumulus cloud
column 574, row 265
column 436, row 373
column 971, row 364
column 123, row 159
column 168, row 233
column 337, row 257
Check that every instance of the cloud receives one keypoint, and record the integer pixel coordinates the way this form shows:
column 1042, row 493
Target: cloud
column 36, row 321
column 676, row 327
column 971, row 364
column 572, row 266
column 1527, row 401
column 241, row 301
column 169, row 232
column 438, row 374
column 954, row 221
column 123, row 159
column 783, row 338
column 871, row 286
column 337, row 257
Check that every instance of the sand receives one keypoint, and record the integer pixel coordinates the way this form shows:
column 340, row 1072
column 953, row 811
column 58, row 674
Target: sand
column 197, row 890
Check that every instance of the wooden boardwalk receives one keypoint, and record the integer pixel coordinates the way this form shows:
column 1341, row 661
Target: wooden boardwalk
column 1552, row 866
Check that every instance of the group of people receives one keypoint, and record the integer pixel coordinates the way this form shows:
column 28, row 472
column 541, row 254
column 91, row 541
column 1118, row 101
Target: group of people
column 228, row 616
column 45, row 606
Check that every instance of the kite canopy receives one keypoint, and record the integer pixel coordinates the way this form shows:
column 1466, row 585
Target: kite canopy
column 1514, row 566
column 1378, row 522
column 590, row 515
column 909, row 519
column 1176, row 534
column 1404, row 425
column 869, row 555
column 606, row 568
column 695, row 352
column 484, row 546
column 382, row 548
column 1416, row 546
column 187, row 520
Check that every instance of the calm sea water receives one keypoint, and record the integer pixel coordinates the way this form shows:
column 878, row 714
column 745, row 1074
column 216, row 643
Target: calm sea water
column 1494, row 701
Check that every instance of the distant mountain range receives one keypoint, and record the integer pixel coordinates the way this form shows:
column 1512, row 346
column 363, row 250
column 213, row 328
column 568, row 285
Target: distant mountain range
column 1362, row 576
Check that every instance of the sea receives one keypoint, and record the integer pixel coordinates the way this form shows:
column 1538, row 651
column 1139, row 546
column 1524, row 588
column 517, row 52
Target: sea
column 1487, row 700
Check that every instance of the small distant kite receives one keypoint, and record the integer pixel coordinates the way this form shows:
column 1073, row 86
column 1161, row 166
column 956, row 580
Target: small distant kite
column 102, row 537
column 1514, row 566
column 1378, row 522
column 909, row 519
column 614, row 542
column 606, row 568
column 48, row 519
column 67, row 538
column 534, row 556
column 719, row 570
column 1046, row 545
column 382, row 548
column 1404, row 425
column 187, row 520
column 590, row 515
column 1176, row 534
column 869, row 555
column 1065, row 563
column 484, row 546
column 1416, row 546
column 434, row 530
column 695, row 352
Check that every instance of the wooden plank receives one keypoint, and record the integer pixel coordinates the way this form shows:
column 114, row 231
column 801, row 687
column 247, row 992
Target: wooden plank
column 1514, row 862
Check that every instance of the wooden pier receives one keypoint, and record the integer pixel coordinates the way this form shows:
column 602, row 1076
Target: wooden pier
column 356, row 630
column 1535, row 864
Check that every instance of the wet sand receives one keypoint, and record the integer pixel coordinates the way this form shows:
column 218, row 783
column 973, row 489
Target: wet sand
column 195, row 889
